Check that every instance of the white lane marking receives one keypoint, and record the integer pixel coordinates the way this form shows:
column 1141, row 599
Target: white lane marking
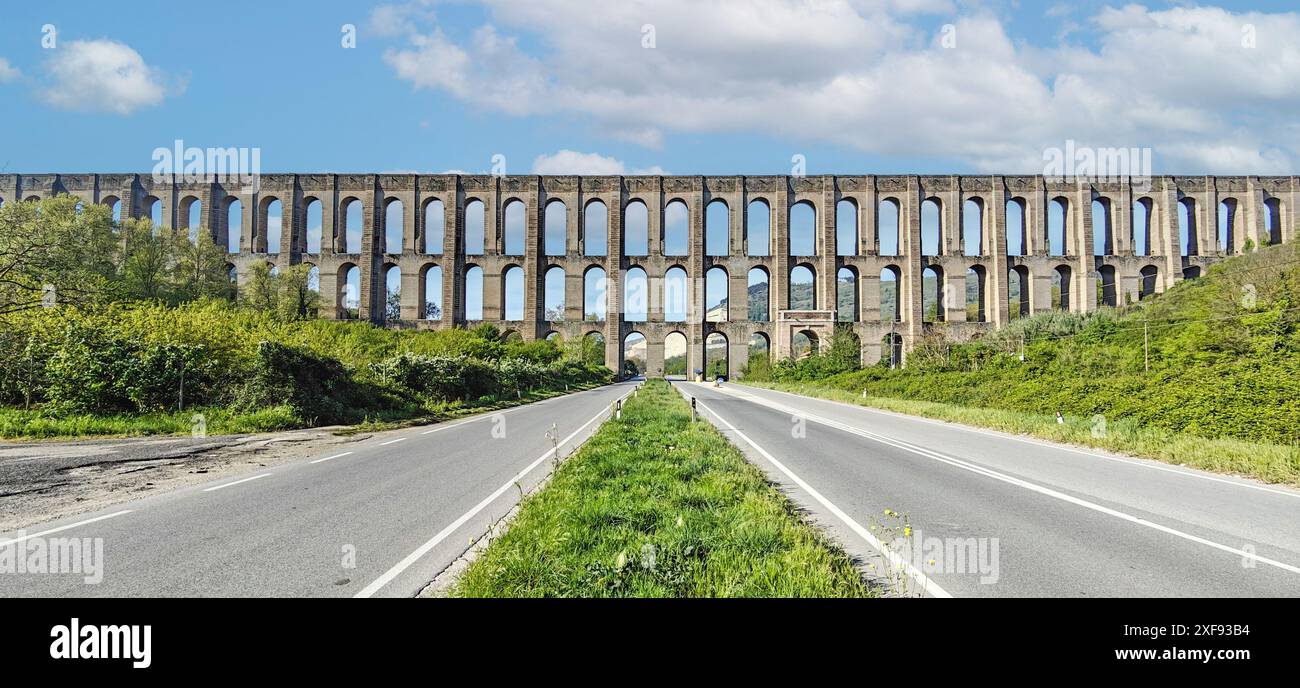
column 331, row 458
column 912, row 572
column 454, row 425
column 14, row 541
column 1143, row 463
column 222, row 487
column 376, row 585
column 997, row 475
column 399, row 439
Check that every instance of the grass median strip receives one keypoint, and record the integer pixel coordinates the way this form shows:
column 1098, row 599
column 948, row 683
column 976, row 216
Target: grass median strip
column 654, row 505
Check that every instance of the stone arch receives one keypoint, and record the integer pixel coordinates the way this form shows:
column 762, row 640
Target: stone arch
column 889, row 237
column 191, row 213
column 435, row 227
column 758, row 228
column 846, row 227
column 803, row 229
column 268, row 233
column 1188, row 236
column 634, row 351
column 1058, row 220
column 1273, row 210
column 759, row 306
column 595, row 298
column 392, row 276
column 113, row 202
column 1103, row 227
column 1017, row 227
column 636, row 228
column 1141, row 223
column 717, row 228
column 553, row 302
column 972, row 226
column 595, row 228
column 1107, row 287
column 555, row 226
column 431, row 292
column 804, row 343
column 314, row 217
column 1228, row 225
column 513, row 295
column 677, row 228
column 891, row 305
column 1061, row 287
column 891, row 348
column 394, row 221
column 717, row 359
column 932, row 301
column 153, row 208
column 932, row 226
column 232, row 209
column 846, row 294
column 1018, row 287
column 476, row 231
column 760, row 347
column 1192, row 272
column 1148, row 281
column 348, row 295
column 803, row 287
column 352, row 210
column 676, row 360
column 473, row 297
column 976, row 294
column 676, row 294
column 514, row 213
column 636, row 295
column 715, row 295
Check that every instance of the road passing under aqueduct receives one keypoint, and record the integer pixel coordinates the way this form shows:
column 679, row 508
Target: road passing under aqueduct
column 731, row 264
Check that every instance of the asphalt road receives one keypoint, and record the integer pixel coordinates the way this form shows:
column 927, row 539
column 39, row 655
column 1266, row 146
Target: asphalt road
column 381, row 520
column 1061, row 521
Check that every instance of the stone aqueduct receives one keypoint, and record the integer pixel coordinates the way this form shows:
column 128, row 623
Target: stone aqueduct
column 1155, row 234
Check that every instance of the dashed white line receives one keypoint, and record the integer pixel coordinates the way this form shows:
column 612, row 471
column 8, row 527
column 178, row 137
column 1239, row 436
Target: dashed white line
column 244, row 480
column 14, row 541
column 399, row 439
column 330, row 458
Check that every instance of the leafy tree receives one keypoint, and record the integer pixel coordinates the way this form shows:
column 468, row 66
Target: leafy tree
column 198, row 268
column 56, row 250
column 295, row 298
column 259, row 290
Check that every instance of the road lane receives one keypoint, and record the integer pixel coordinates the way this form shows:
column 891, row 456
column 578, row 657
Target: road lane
column 1066, row 522
column 332, row 525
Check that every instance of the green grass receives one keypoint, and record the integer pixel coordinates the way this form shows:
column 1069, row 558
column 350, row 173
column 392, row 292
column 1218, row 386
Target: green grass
column 657, row 506
column 1271, row 463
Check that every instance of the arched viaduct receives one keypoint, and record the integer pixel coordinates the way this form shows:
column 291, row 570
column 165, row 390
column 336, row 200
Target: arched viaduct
column 690, row 254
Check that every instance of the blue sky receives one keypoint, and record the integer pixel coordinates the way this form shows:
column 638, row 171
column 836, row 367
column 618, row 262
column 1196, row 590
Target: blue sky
column 854, row 86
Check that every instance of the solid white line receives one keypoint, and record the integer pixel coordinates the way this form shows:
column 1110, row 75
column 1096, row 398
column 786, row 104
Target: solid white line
column 912, row 572
column 455, row 425
column 5, row 543
column 397, row 569
column 997, row 475
column 399, row 439
column 222, row 487
column 1142, row 463
column 329, row 458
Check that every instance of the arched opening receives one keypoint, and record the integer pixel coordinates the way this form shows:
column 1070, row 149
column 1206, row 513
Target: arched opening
column 392, row 293
column 891, row 309
column 636, row 296
column 715, row 295
column 557, row 227
column 1061, row 287
column 1228, row 225
column 1057, row 213
column 846, row 295
column 313, row 278
column 432, row 293
column 1017, row 234
column 155, row 210
column 234, row 224
column 888, row 238
column 315, row 226
column 594, row 303
column 716, row 359
column 677, row 232
column 1191, row 272
column 593, row 348
column 759, row 295
column 675, row 355
column 891, row 350
column 475, row 228
column 474, row 293
column 1142, row 227
column 931, row 227
column 595, row 229
column 1018, row 292
column 846, row 227
column 1187, row 234
column 803, row 291
column 1147, row 281
column 636, row 229
column 976, row 294
column 273, row 216
column 972, row 227
column 554, row 337
column 932, row 304
column 349, row 290
column 435, row 227
column 512, row 337
column 675, row 285
column 803, row 229
column 1273, row 220
column 717, row 220
column 1107, row 290
column 804, row 343
column 394, row 220
column 514, row 227
column 353, row 225
column 553, row 303
column 512, row 293
column 758, row 228
column 1103, row 234
column 192, row 209
column 760, row 348
column 113, row 202
column 634, row 355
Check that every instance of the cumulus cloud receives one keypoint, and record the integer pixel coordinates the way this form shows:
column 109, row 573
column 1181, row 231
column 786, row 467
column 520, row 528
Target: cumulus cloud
column 8, row 72
column 594, row 164
column 1189, row 82
column 102, row 76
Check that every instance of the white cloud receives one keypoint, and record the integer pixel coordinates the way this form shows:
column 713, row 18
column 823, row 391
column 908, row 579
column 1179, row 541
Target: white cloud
column 592, row 164
column 8, row 72
column 102, row 75
column 868, row 75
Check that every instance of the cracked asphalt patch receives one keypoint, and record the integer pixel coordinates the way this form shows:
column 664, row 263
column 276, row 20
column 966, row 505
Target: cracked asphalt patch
column 41, row 481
